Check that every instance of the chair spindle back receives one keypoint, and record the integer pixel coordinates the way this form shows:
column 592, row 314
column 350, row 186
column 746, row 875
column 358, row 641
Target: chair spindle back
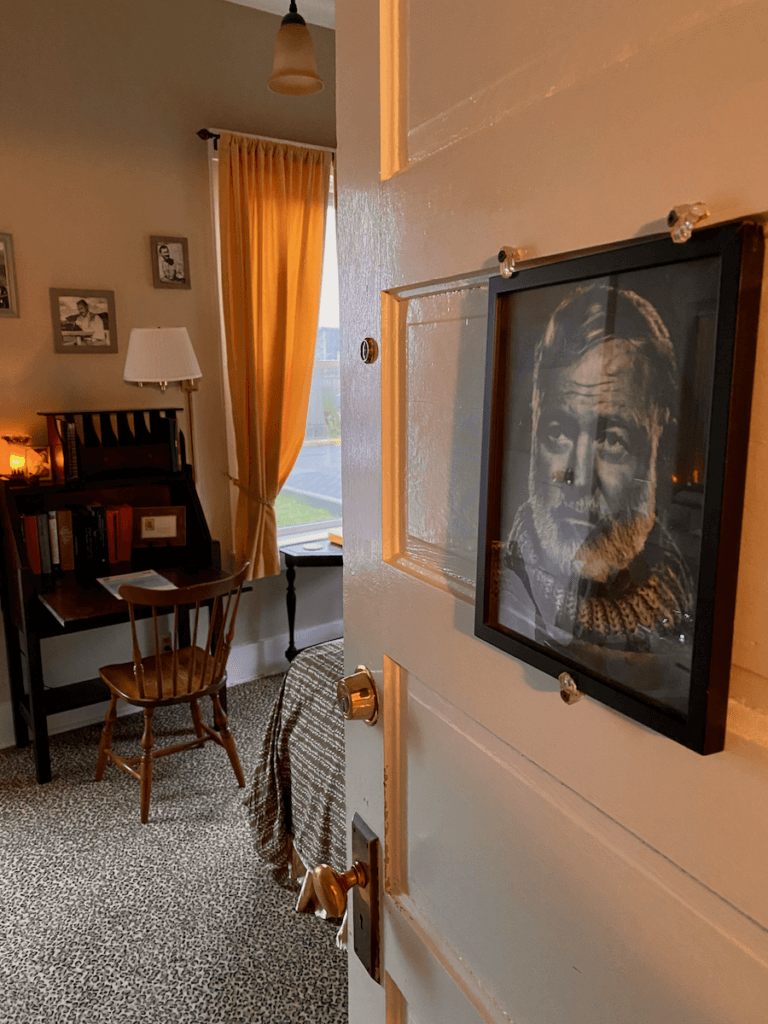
column 179, row 671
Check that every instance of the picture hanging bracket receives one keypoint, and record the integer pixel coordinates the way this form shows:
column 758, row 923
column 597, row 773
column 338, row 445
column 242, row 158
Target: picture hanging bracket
column 681, row 220
column 507, row 258
column 569, row 692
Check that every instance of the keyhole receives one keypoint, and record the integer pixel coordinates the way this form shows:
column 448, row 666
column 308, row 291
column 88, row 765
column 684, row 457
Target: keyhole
column 361, row 921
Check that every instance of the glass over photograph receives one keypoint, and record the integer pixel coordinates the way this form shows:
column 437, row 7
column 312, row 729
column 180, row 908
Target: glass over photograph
column 5, row 295
column 84, row 321
column 604, row 461
column 170, row 262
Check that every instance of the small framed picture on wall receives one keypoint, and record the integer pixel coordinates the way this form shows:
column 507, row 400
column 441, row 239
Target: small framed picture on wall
column 170, row 262
column 83, row 320
column 9, row 300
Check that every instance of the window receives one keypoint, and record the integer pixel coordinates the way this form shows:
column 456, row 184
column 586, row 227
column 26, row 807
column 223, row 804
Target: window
column 311, row 496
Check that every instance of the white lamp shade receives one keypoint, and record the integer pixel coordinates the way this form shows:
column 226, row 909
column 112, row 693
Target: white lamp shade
column 294, row 70
column 157, row 355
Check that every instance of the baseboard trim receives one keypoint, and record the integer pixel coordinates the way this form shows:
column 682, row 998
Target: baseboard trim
column 266, row 657
column 247, row 661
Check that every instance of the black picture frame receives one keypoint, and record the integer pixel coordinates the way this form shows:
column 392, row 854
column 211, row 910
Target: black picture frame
column 617, row 401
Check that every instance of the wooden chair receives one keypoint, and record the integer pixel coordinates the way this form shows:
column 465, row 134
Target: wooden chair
column 175, row 676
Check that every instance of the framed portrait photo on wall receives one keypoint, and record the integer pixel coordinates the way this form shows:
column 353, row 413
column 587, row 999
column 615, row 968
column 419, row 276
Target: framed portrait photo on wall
column 9, row 299
column 617, row 401
column 170, row 262
column 83, row 320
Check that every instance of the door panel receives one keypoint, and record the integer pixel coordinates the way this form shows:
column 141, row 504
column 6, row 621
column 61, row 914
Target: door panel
column 496, row 847
column 437, row 338
column 492, row 65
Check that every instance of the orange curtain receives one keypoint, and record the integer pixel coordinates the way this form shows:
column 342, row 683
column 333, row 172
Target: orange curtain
column 272, row 205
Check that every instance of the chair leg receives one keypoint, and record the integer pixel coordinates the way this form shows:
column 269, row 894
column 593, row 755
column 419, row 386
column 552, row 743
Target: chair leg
column 227, row 739
column 198, row 721
column 145, row 766
column 106, row 738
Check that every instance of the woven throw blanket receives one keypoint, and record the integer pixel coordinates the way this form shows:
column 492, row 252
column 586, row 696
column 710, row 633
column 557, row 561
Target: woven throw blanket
column 297, row 794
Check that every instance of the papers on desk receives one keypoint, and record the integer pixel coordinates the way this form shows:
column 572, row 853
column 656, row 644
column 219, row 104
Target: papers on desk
column 147, row 578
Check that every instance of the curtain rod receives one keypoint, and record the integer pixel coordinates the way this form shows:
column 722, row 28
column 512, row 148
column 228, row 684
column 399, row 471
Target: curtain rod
column 215, row 134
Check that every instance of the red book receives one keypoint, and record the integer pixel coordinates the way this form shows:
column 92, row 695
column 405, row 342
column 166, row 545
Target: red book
column 124, row 532
column 33, row 544
column 112, row 534
column 66, row 540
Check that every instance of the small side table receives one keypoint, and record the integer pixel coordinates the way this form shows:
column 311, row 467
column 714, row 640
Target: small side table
column 300, row 555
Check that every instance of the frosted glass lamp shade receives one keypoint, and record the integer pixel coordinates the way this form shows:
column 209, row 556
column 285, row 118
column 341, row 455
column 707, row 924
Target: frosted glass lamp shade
column 157, row 355
column 294, row 70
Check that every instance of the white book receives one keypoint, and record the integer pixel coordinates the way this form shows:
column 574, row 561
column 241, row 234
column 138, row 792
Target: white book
column 53, row 532
column 147, row 578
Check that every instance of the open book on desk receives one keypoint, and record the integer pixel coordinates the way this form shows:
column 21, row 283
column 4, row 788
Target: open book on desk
column 147, row 578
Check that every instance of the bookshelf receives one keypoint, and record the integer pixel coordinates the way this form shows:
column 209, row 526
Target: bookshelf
column 108, row 442
column 38, row 605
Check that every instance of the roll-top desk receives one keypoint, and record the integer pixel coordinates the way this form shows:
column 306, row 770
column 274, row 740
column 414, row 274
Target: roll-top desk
column 36, row 606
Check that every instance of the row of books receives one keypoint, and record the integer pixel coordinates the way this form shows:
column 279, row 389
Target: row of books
column 85, row 538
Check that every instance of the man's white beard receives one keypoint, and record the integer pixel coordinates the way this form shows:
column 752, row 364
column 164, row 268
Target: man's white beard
column 610, row 546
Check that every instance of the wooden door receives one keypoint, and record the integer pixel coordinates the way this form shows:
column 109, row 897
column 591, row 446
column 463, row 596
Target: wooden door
column 543, row 863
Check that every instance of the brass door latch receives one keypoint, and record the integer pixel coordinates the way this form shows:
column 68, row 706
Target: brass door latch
column 356, row 696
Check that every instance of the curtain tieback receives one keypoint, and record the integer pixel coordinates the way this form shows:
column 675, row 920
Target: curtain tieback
column 269, row 502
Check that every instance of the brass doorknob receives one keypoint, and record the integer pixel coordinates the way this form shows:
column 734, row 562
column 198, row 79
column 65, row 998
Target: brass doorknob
column 331, row 888
column 356, row 696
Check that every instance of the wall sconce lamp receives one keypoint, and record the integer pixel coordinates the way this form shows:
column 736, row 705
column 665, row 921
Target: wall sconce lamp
column 163, row 356
column 294, row 69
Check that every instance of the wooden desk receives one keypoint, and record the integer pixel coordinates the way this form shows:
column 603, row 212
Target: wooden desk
column 299, row 555
column 33, row 611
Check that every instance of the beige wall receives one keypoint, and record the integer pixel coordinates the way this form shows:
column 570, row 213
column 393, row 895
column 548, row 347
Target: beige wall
column 99, row 105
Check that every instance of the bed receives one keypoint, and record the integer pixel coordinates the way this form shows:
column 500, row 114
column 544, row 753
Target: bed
column 296, row 803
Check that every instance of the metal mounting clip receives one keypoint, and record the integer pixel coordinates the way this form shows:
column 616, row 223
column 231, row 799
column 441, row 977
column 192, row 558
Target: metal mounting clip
column 681, row 220
column 507, row 258
column 568, row 689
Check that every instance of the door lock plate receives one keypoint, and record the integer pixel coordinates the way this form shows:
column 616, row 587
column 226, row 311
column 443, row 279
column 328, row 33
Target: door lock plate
column 365, row 899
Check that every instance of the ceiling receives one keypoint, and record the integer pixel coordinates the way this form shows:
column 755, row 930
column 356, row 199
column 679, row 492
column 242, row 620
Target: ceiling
column 314, row 12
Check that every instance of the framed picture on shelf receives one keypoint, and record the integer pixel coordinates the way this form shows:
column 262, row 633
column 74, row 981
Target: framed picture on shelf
column 617, row 402
column 37, row 464
column 170, row 262
column 160, row 526
column 9, row 299
column 83, row 320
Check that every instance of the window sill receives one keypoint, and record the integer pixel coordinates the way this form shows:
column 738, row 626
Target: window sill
column 306, row 534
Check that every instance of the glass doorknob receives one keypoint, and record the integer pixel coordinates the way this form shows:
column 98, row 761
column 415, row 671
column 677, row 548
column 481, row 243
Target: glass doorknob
column 356, row 696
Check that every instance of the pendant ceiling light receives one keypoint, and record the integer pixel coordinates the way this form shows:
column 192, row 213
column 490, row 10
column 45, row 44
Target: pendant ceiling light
column 294, row 72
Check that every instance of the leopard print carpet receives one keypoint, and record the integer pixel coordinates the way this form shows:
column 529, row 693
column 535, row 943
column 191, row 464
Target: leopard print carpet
column 104, row 920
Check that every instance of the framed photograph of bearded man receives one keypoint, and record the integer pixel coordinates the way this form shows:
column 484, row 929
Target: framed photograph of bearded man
column 617, row 402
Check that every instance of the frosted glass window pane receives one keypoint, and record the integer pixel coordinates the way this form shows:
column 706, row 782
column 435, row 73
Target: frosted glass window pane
column 444, row 366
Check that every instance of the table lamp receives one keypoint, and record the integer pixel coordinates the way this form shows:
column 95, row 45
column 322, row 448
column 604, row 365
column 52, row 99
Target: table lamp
column 15, row 457
column 163, row 356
